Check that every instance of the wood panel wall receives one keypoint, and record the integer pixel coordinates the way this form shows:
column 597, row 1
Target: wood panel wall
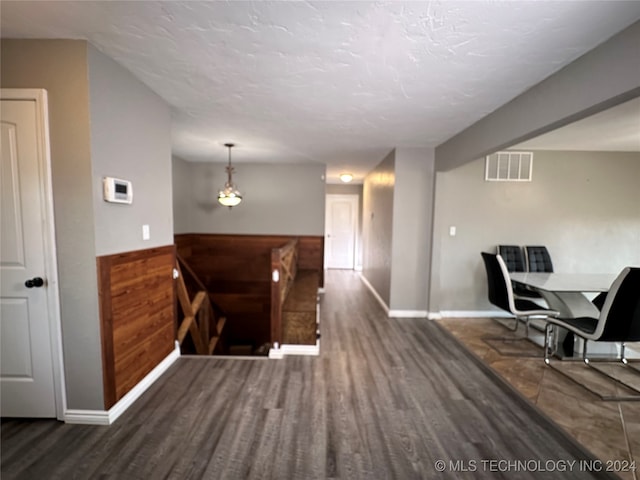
column 137, row 313
column 236, row 269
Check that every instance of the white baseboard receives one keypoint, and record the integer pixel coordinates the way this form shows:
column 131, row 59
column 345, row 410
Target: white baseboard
column 375, row 294
column 474, row 314
column 276, row 353
column 434, row 316
column 408, row 314
column 394, row 313
column 279, row 353
column 107, row 417
column 87, row 417
column 301, row 349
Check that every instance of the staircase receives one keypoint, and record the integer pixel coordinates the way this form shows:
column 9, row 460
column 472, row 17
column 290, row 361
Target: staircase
column 201, row 320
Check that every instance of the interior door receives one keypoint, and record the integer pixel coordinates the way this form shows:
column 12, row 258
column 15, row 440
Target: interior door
column 340, row 230
column 26, row 366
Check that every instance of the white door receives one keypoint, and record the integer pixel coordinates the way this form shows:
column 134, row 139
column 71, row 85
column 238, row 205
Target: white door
column 341, row 219
column 26, row 362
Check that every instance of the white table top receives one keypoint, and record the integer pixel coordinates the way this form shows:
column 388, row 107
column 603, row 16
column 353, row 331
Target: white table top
column 566, row 282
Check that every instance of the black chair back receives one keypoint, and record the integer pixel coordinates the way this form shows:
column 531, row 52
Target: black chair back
column 498, row 294
column 538, row 259
column 621, row 309
column 512, row 256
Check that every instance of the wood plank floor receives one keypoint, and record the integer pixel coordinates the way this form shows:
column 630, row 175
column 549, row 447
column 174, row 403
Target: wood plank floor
column 387, row 398
column 608, row 429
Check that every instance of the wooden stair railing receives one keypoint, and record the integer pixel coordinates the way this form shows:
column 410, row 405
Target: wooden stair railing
column 200, row 318
column 284, row 261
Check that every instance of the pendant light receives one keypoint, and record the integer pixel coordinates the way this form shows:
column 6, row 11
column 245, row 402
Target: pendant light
column 229, row 196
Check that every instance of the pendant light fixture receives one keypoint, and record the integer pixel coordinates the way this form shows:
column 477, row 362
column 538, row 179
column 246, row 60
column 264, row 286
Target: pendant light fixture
column 229, row 196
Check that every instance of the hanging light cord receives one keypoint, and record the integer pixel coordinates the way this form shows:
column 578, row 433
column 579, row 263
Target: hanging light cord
column 229, row 167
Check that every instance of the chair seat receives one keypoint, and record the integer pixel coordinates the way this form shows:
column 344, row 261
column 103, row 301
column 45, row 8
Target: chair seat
column 619, row 319
column 521, row 291
column 584, row 325
column 527, row 307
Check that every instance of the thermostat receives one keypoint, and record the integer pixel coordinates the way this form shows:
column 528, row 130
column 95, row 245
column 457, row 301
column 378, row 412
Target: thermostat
column 116, row 190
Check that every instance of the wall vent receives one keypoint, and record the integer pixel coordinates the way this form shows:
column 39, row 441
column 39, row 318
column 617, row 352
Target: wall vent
column 509, row 167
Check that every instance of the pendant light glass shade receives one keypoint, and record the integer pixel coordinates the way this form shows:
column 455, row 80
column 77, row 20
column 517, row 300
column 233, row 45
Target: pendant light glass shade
column 229, row 196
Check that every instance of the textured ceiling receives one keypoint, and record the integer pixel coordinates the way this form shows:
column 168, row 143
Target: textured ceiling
column 340, row 83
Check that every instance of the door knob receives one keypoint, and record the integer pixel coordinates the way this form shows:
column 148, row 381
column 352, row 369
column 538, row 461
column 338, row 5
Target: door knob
column 34, row 282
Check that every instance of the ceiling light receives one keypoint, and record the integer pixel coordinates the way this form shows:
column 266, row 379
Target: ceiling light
column 229, row 196
column 346, row 177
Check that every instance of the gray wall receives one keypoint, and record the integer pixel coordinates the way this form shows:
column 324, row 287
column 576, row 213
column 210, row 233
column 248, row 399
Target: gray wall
column 278, row 199
column 60, row 66
column 603, row 77
column 584, row 206
column 102, row 122
column 182, row 195
column 412, row 223
column 130, row 139
column 377, row 226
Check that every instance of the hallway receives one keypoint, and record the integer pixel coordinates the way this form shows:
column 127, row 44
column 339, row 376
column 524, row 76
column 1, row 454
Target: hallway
column 387, row 398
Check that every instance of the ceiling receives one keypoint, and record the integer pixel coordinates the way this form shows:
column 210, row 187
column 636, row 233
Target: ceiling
column 340, row 83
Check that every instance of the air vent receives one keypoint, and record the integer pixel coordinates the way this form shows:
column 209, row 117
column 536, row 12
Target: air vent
column 509, row 167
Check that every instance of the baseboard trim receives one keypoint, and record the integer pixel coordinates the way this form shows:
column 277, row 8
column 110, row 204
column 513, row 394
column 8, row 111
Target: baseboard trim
column 408, row 314
column 87, row 417
column 301, row 349
column 474, row 314
column 434, row 316
column 375, row 294
column 279, row 353
column 107, row 417
column 276, row 353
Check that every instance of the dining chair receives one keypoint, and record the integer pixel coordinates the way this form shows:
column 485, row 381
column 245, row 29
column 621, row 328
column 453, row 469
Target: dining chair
column 598, row 301
column 514, row 260
column 538, row 258
column 501, row 293
column 513, row 257
column 619, row 319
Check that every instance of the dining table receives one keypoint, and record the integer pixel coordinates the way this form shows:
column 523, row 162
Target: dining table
column 567, row 293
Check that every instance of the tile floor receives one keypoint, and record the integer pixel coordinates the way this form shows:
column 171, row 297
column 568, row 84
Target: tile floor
column 609, row 429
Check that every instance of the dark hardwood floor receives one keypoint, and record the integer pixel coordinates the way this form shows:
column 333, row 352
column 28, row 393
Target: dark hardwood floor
column 387, row 398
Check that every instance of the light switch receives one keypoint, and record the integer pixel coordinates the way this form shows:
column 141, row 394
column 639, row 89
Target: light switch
column 145, row 232
column 452, row 231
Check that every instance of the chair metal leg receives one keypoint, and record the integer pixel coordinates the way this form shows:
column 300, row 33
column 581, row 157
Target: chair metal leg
column 584, row 351
column 624, row 359
column 547, row 344
column 515, row 327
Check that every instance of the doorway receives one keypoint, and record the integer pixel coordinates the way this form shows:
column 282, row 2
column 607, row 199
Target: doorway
column 31, row 375
column 341, row 223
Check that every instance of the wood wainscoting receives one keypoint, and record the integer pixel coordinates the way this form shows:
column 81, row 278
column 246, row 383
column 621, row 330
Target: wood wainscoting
column 137, row 316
